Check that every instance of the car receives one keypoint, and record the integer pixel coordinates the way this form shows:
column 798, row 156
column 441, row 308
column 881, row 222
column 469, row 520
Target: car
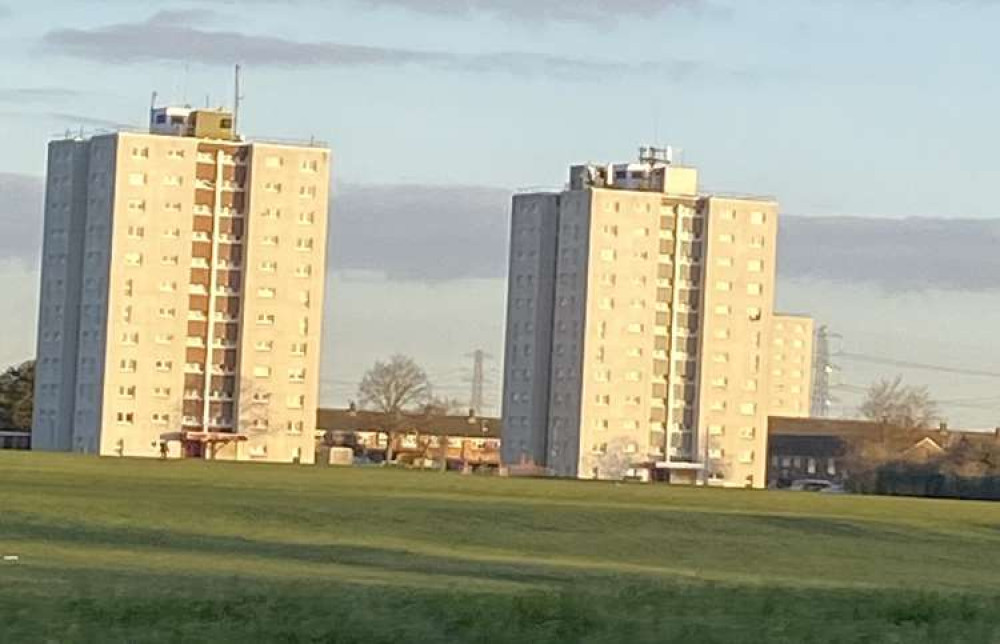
column 816, row 485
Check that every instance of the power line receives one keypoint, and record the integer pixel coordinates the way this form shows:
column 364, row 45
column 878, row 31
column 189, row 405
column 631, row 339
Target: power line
column 905, row 364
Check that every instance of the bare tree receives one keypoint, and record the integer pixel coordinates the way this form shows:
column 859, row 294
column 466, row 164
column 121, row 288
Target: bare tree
column 393, row 388
column 904, row 406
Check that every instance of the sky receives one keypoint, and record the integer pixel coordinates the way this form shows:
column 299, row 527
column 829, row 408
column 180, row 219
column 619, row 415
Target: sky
column 872, row 122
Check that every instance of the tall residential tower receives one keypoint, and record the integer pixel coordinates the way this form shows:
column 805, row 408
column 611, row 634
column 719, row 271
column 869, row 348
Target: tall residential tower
column 638, row 327
column 182, row 293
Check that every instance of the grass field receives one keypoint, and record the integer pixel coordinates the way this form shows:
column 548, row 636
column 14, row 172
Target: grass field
column 121, row 550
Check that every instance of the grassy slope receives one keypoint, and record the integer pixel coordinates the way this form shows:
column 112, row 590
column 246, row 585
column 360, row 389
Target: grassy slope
column 152, row 551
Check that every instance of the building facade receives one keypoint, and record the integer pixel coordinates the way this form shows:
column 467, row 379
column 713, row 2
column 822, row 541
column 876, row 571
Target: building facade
column 638, row 321
column 791, row 365
column 182, row 293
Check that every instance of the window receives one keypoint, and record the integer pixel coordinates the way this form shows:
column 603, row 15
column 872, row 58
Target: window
column 168, row 313
column 297, row 375
column 130, row 338
column 168, row 286
column 728, row 215
column 268, row 213
column 261, row 397
column 136, row 232
column 720, row 358
column 294, row 427
column 172, row 233
column 126, row 392
column 720, row 383
column 175, row 154
column 608, row 255
column 127, row 313
column 754, row 313
column 309, row 165
column 757, row 241
column 726, row 238
column 602, row 399
column 125, row 418
column 723, row 286
column 133, row 259
column 269, row 240
column 721, row 334
column 304, row 244
column 265, row 319
column 262, row 372
column 173, row 180
column 161, row 392
column 268, row 266
column 755, row 265
column 172, row 207
column 127, row 366
column 635, row 327
column 303, row 270
column 757, row 218
column 160, row 418
column 140, row 153
column 607, row 303
column 306, row 218
column 137, row 179
column 170, row 260
column 716, row 430
column 754, row 288
column 748, row 433
column 164, row 338
column 307, row 192
column 264, row 345
column 272, row 187
column 266, row 293
column 748, row 409
column 295, row 402
column 299, row 349
column 274, row 162
column 164, row 365
column 723, row 309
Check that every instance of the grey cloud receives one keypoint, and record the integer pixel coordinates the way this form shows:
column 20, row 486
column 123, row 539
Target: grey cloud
column 564, row 10
column 158, row 39
column 420, row 233
column 894, row 254
column 20, row 217
column 5, row 12
column 441, row 233
column 35, row 94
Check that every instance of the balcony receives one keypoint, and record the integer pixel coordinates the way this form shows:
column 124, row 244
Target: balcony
column 197, row 289
column 194, row 368
column 202, row 209
column 227, row 265
column 191, row 421
column 203, row 184
column 222, row 370
column 192, row 394
column 206, row 157
column 201, row 236
column 227, row 291
column 226, row 238
column 197, row 316
column 196, row 342
column 220, row 396
column 232, row 186
column 199, row 262
column 220, row 422
column 225, row 317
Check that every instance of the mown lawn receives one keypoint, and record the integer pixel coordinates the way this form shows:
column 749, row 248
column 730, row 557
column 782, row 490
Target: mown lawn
column 121, row 550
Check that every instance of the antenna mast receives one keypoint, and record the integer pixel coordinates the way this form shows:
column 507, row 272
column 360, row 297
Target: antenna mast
column 236, row 101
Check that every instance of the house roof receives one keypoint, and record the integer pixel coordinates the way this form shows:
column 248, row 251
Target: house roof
column 346, row 420
column 779, row 427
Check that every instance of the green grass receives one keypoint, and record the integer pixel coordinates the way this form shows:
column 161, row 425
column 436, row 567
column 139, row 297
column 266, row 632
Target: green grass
column 121, row 550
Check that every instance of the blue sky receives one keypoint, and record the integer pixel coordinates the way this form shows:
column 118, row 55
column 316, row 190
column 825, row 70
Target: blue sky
column 837, row 106
column 877, row 109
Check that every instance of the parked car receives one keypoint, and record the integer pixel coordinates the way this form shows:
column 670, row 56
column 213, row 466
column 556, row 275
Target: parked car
column 816, row 485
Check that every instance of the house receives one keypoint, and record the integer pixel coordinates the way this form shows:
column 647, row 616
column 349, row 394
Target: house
column 414, row 438
column 827, row 449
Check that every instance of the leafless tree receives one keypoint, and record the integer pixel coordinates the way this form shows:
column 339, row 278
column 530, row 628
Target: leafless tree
column 899, row 405
column 393, row 388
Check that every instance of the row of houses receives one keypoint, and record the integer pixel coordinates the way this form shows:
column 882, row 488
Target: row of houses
column 797, row 448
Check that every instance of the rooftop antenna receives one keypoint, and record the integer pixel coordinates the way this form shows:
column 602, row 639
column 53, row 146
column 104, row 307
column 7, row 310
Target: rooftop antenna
column 237, row 99
column 152, row 107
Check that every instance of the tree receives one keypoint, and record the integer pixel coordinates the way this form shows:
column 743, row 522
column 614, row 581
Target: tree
column 17, row 391
column 393, row 388
column 904, row 406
